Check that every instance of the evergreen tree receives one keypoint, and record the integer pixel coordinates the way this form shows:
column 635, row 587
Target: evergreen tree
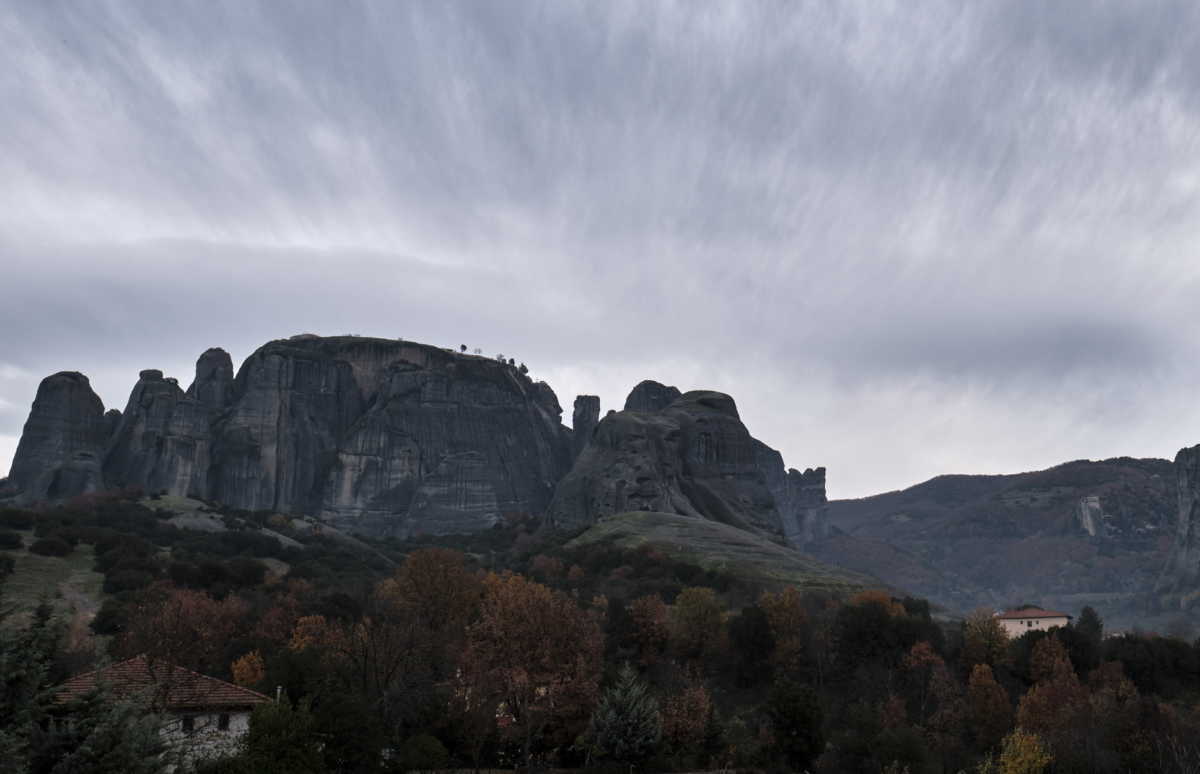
column 25, row 657
column 626, row 725
column 105, row 736
column 795, row 714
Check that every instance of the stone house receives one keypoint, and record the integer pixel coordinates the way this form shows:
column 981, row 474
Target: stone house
column 1025, row 619
column 203, row 717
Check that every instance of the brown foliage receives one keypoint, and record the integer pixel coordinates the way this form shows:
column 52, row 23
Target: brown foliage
column 697, row 628
column 182, row 627
column 984, row 640
column 535, row 655
column 989, row 712
column 789, row 622
column 249, row 670
column 651, row 627
column 685, row 716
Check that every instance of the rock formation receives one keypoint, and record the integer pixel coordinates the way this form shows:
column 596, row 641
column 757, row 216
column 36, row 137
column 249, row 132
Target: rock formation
column 583, row 421
column 1182, row 572
column 62, row 445
column 650, row 396
column 692, row 457
column 396, row 438
column 381, row 436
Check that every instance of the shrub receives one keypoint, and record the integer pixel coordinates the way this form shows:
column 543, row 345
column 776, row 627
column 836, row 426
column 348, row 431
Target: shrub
column 51, row 546
column 10, row 539
column 127, row 580
column 423, row 752
column 14, row 518
column 111, row 618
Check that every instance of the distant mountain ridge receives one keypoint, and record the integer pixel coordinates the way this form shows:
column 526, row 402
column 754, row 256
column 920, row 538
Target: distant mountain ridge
column 1078, row 533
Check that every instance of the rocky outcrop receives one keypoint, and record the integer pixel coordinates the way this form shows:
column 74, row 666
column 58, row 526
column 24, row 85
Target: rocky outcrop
column 62, row 445
column 387, row 437
column 162, row 441
column 583, row 422
column 692, row 457
column 1182, row 572
column 650, row 396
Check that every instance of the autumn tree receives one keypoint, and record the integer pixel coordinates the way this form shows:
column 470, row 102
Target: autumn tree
column 1021, row 753
column 789, row 623
column 651, row 627
column 535, row 656
column 1056, row 707
column 685, row 718
column 182, row 627
column 696, row 623
column 989, row 713
column 984, row 640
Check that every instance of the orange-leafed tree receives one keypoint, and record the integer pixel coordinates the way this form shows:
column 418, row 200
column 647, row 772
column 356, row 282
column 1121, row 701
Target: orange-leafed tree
column 685, row 718
column 1056, row 708
column 534, row 655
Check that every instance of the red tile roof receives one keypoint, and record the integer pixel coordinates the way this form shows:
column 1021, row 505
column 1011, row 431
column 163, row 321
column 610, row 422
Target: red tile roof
column 1031, row 612
column 165, row 685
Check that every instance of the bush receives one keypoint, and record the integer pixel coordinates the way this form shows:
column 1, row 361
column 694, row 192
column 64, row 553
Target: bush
column 10, row 539
column 13, row 518
column 51, row 546
column 127, row 580
column 111, row 618
column 423, row 752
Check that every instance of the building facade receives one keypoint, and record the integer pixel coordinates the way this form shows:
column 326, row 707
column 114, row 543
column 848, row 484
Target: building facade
column 1026, row 619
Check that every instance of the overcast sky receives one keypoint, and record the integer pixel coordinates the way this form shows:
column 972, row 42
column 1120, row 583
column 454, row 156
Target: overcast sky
column 909, row 239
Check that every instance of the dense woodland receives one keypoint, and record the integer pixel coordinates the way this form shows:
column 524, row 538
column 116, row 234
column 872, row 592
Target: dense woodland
column 506, row 650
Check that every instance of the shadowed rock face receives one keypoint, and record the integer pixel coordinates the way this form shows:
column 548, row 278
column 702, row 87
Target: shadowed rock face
column 381, row 436
column 692, row 457
column 62, row 445
column 1182, row 571
column 651, row 396
column 583, row 422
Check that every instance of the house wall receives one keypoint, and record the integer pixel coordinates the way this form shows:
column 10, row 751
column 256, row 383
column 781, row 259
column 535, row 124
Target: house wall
column 1015, row 627
column 207, row 739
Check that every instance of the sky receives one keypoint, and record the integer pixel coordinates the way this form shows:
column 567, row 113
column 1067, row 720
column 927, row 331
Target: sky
column 909, row 239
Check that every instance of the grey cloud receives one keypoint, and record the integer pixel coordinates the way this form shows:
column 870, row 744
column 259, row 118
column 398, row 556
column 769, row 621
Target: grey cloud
column 832, row 211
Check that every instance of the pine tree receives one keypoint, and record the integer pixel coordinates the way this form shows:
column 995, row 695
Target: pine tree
column 25, row 656
column 106, row 736
column 626, row 725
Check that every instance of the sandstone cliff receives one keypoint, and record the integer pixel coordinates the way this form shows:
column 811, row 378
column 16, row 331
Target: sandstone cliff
column 690, row 456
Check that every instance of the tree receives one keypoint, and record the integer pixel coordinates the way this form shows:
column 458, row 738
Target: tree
column 106, row 736
column 989, row 713
column 686, row 717
column 182, row 627
column 651, row 627
column 282, row 739
column 696, row 625
column 462, row 347
column 626, row 726
column 789, row 623
column 25, row 658
column 1022, row 753
column 795, row 715
column 984, row 640
column 753, row 643
column 534, row 655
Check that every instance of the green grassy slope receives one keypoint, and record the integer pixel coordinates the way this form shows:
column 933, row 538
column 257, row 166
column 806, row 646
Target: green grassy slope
column 715, row 546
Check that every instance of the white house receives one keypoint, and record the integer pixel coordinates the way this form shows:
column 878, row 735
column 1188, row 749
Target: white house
column 1025, row 619
column 203, row 717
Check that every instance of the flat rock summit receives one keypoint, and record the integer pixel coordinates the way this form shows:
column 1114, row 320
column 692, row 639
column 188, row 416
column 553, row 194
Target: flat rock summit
column 391, row 437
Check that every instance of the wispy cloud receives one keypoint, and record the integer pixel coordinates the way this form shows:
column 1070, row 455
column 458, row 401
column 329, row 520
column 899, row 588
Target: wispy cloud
column 959, row 238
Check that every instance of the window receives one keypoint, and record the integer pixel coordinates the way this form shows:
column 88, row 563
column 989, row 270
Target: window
column 223, row 721
column 188, row 724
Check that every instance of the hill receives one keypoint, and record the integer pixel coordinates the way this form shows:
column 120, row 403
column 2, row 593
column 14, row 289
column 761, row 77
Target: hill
column 721, row 548
column 1085, row 532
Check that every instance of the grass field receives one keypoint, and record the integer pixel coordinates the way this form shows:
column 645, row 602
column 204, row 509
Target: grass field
column 719, row 547
column 68, row 582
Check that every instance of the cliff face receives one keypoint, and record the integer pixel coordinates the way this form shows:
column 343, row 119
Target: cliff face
column 376, row 435
column 396, row 438
column 1182, row 570
column 62, row 445
column 692, row 456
